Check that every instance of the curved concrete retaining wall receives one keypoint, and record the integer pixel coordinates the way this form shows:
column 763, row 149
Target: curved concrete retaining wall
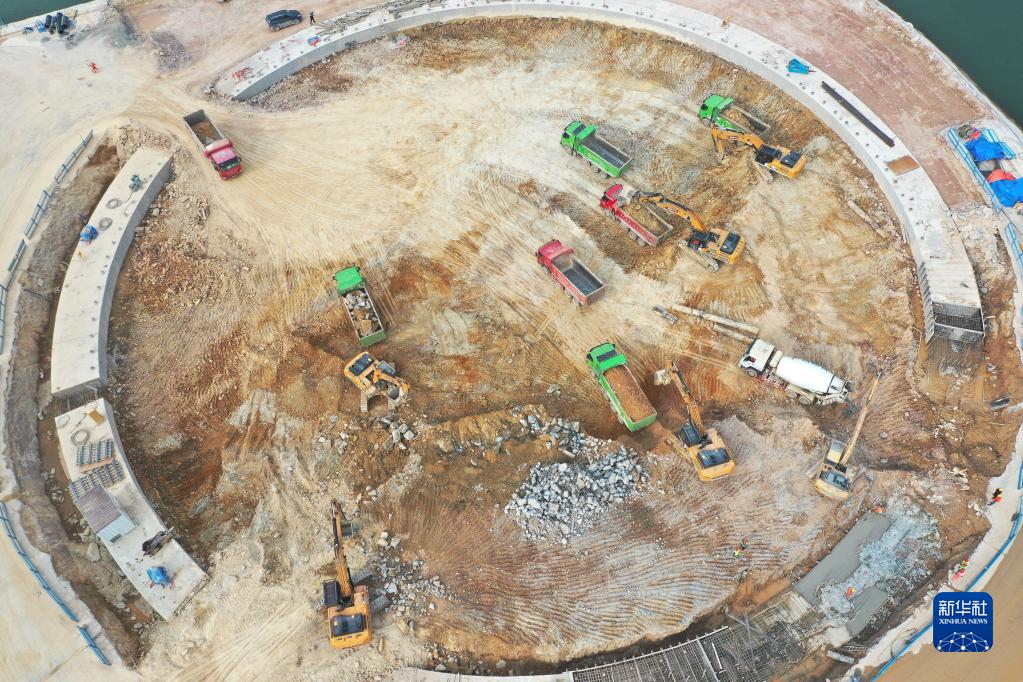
column 79, row 358
column 92, row 424
column 948, row 285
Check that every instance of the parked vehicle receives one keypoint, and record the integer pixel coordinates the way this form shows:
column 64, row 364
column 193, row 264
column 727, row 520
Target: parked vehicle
column 568, row 271
column 283, row 18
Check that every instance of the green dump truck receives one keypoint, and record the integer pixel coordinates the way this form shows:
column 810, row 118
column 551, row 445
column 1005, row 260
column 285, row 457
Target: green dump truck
column 627, row 399
column 582, row 140
column 366, row 320
column 723, row 112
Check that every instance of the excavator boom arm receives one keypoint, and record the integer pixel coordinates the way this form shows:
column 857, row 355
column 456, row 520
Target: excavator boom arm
column 344, row 577
column 860, row 420
column 687, row 398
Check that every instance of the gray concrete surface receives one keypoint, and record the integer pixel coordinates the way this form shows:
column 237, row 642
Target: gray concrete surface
column 79, row 359
column 842, row 561
column 127, row 550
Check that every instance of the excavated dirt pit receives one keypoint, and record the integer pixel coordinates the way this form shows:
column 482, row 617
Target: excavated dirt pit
column 435, row 165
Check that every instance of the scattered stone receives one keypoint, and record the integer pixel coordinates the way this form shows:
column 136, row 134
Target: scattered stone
column 561, row 500
column 92, row 552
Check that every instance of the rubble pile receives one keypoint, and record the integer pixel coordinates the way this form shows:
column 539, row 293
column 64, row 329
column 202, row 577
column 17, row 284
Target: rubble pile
column 565, row 435
column 361, row 310
column 562, row 500
column 401, row 433
column 408, row 591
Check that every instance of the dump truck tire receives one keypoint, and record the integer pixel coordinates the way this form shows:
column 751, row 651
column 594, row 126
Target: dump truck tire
column 752, row 373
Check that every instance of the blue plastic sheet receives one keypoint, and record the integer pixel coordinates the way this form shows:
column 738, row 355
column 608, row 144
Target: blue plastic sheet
column 796, row 66
column 1009, row 192
column 158, row 574
column 985, row 150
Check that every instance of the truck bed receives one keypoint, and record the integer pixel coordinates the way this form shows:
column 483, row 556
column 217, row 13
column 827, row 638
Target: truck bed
column 641, row 213
column 205, row 131
column 610, row 154
column 633, row 400
column 582, row 278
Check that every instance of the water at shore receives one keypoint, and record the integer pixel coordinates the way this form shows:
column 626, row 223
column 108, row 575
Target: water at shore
column 16, row 10
column 982, row 38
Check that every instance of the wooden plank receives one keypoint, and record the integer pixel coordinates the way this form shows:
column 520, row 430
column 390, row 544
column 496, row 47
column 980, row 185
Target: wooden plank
column 903, row 164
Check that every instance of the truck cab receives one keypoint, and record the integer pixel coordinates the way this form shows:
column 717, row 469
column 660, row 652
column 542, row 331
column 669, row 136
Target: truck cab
column 226, row 161
column 756, row 358
column 568, row 137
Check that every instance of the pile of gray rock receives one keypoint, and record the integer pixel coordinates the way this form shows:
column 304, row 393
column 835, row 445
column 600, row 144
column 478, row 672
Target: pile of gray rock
column 562, row 500
column 563, row 434
column 401, row 433
column 408, row 591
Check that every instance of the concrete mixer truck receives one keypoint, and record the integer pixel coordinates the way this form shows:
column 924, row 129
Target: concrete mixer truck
column 808, row 383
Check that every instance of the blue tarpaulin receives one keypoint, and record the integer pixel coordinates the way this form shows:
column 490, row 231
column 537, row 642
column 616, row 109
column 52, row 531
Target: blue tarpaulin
column 158, row 574
column 985, row 150
column 1009, row 192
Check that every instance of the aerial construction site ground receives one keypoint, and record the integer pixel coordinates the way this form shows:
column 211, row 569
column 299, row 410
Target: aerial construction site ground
column 432, row 161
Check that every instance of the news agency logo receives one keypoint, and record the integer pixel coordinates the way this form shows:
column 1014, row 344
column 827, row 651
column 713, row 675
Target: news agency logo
column 964, row 621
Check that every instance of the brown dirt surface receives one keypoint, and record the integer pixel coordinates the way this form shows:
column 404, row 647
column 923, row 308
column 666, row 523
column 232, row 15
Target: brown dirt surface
column 436, row 168
column 633, row 400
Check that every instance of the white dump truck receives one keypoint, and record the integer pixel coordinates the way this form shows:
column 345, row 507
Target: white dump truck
column 810, row 384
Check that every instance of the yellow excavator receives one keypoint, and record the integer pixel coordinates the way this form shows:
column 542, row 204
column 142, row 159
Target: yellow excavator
column 833, row 480
column 721, row 245
column 347, row 604
column 374, row 377
column 707, row 450
column 778, row 159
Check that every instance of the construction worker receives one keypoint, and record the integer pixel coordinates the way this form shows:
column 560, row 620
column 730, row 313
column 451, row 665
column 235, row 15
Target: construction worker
column 996, row 497
column 312, row 18
column 738, row 551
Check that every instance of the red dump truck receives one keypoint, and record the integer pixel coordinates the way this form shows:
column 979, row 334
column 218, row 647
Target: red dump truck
column 646, row 221
column 215, row 147
column 568, row 271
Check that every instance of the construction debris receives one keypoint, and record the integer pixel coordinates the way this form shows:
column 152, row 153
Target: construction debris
column 672, row 319
column 562, row 500
column 711, row 317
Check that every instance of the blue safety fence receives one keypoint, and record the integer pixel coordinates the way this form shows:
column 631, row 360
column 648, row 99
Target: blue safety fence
column 33, row 222
column 92, row 645
column 1016, row 520
column 5, row 521
column 960, row 147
